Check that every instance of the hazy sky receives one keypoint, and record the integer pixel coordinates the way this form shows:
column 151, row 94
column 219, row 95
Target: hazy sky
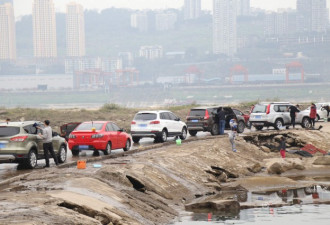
column 23, row 7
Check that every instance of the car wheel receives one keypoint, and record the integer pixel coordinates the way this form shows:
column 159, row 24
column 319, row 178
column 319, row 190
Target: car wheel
column 127, row 145
column 62, row 154
column 305, row 122
column 259, row 127
column 163, row 138
column 136, row 140
column 240, row 127
column 192, row 132
column 32, row 160
column 107, row 150
column 75, row 152
column 183, row 135
column 215, row 129
column 278, row 124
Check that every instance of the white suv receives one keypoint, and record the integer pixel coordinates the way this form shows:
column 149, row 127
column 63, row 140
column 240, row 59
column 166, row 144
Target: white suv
column 276, row 114
column 158, row 125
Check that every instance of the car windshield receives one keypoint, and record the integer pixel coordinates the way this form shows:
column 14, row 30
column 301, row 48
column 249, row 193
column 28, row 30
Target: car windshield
column 197, row 112
column 69, row 127
column 89, row 126
column 9, row 131
column 145, row 116
column 259, row 109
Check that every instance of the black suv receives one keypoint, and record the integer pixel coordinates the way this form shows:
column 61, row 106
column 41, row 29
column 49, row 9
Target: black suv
column 205, row 119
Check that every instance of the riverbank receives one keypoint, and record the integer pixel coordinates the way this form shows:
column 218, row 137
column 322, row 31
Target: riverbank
column 156, row 186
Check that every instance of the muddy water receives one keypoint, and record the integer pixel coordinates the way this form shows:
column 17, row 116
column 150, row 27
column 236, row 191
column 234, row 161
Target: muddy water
column 300, row 206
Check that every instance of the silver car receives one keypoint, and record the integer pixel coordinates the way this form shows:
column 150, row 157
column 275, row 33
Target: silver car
column 276, row 114
column 20, row 143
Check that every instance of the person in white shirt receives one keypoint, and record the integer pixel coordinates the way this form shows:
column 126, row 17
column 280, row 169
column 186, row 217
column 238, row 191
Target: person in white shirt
column 232, row 134
column 47, row 138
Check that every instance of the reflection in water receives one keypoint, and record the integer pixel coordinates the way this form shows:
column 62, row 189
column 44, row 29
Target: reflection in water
column 301, row 206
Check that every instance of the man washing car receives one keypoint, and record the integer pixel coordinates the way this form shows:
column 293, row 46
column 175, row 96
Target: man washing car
column 47, row 138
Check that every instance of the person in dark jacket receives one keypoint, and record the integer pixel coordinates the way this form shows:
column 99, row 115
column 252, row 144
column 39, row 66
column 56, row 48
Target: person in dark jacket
column 222, row 120
column 313, row 114
column 282, row 147
column 293, row 114
column 327, row 108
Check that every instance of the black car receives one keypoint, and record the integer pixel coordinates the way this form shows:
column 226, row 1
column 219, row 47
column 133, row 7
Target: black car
column 205, row 119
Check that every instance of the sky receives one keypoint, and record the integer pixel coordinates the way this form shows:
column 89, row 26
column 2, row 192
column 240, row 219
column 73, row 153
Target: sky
column 23, row 7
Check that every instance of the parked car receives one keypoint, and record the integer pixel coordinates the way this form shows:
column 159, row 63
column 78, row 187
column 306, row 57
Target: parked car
column 321, row 113
column 276, row 114
column 67, row 128
column 158, row 125
column 98, row 135
column 245, row 116
column 20, row 143
column 205, row 119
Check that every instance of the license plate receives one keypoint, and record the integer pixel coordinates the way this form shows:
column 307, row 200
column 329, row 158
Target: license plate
column 142, row 125
column 257, row 117
column 194, row 121
column 2, row 145
column 83, row 147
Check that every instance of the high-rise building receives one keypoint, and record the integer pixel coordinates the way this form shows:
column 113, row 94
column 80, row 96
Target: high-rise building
column 151, row 52
column 44, row 29
column 192, row 9
column 312, row 16
column 75, row 30
column 165, row 20
column 277, row 24
column 140, row 21
column 7, row 32
column 224, row 27
column 243, row 7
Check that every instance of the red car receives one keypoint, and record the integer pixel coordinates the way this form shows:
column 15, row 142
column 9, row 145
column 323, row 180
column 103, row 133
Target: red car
column 246, row 117
column 98, row 135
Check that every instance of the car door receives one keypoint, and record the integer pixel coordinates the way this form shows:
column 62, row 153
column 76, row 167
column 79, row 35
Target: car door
column 176, row 125
column 111, row 135
column 33, row 136
column 165, row 121
column 285, row 113
column 121, row 137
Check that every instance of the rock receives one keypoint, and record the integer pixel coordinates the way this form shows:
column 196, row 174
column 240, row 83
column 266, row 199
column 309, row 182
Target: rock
column 290, row 141
column 322, row 161
column 226, row 207
column 256, row 168
column 275, row 168
column 223, row 177
column 278, row 137
column 265, row 149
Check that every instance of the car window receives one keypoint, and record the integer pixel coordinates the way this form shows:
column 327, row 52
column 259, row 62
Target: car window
column 259, row 109
column 197, row 112
column 172, row 116
column 30, row 129
column 165, row 116
column 115, row 127
column 89, row 126
column 108, row 127
column 8, row 131
column 145, row 116
column 238, row 112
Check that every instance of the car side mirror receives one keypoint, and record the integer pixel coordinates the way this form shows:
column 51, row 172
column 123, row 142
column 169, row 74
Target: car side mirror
column 177, row 119
column 121, row 130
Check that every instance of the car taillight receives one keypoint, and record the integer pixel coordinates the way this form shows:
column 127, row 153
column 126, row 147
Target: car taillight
column 72, row 136
column 155, row 122
column 133, row 123
column 19, row 139
column 268, row 109
column 97, row 136
column 207, row 116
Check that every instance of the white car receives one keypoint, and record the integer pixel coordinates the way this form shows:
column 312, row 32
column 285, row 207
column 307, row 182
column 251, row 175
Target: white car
column 321, row 112
column 276, row 114
column 158, row 125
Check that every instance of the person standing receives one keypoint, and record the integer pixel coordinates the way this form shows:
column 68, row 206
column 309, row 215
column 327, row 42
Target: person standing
column 47, row 139
column 293, row 114
column 222, row 120
column 313, row 114
column 282, row 147
column 327, row 108
column 232, row 134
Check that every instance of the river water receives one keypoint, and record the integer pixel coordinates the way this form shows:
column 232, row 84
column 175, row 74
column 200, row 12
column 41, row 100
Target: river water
column 306, row 206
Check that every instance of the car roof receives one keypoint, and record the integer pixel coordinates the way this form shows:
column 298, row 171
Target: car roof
column 18, row 124
column 273, row 103
column 153, row 111
column 208, row 107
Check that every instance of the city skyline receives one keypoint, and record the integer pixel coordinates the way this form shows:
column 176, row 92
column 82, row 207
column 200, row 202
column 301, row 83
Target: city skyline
column 23, row 7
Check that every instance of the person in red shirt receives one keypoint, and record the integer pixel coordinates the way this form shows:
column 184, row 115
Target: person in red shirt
column 312, row 114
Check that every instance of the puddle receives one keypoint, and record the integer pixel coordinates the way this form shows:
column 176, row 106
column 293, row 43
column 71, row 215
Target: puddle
column 310, row 205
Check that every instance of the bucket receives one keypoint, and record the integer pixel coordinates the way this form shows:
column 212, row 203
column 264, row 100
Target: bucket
column 81, row 164
column 178, row 141
column 325, row 120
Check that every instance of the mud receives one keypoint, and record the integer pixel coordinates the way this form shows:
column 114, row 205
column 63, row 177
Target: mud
column 156, row 185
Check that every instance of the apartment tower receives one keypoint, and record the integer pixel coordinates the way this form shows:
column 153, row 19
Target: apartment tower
column 224, row 27
column 7, row 31
column 192, row 9
column 44, row 29
column 75, row 30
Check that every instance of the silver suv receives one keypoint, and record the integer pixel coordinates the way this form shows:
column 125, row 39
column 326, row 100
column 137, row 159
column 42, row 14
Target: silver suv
column 276, row 114
column 19, row 143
